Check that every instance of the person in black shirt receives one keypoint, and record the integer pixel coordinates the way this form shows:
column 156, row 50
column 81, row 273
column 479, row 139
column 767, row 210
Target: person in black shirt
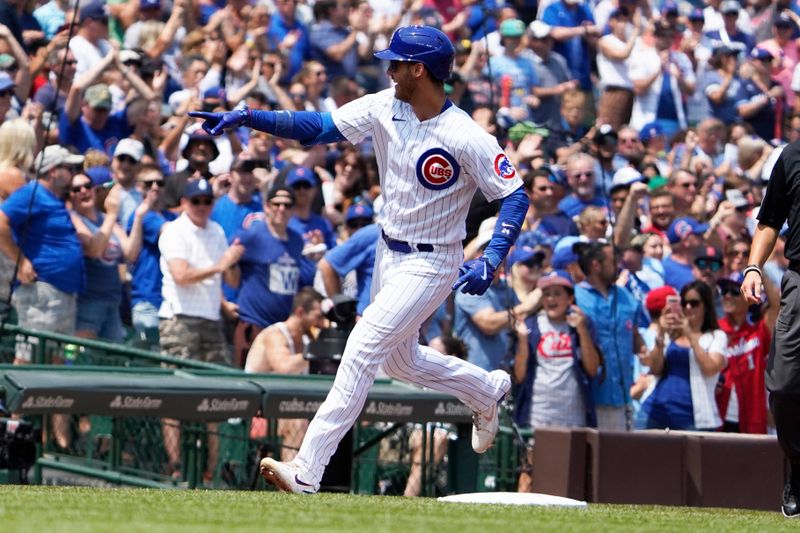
column 783, row 368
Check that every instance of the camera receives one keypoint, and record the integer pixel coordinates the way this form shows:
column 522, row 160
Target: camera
column 18, row 440
column 325, row 352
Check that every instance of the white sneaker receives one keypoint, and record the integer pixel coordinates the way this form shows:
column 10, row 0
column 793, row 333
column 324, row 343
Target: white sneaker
column 284, row 477
column 485, row 424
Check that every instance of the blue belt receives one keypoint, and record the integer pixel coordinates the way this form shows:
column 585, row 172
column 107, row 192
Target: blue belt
column 403, row 247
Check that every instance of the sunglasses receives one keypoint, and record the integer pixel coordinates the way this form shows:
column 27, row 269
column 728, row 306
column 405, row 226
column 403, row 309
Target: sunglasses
column 588, row 174
column 204, row 201
column 739, row 253
column 545, row 188
column 278, row 205
column 148, row 184
column 689, row 185
column 125, row 158
column 730, row 290
column 692, row 303
column 358, row 223
column 705, row 264
column 6, row 93
column 71, row 62
column 301, row 185
column 297, row 95
column 532, row 263
column 83, row 187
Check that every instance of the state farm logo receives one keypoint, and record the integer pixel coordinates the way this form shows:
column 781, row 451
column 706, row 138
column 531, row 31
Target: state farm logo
column 452, row 409
column 135, row 402
column 216, row 405
column 389, row 409
column 48, row 402
column 437, row 169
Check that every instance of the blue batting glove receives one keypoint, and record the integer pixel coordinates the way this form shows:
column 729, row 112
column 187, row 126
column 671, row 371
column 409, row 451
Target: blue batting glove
column 216, row 123
column 476, row 276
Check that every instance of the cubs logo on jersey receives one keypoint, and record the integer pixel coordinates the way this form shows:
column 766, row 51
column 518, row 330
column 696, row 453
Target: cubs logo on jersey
column 437, row 169
column 503, row 167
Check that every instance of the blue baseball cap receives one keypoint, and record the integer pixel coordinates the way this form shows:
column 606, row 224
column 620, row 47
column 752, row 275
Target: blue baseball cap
column 760, row 54
column 214, row 92
column 563, row 254
column 358, row 211
column 99, row 175
column 650, row 130
column 669, row 7
column 149, row 4
column 734, row 278
column 683, row 227
column 300, row 174
column 697, row 14
column 520, row 254
column 93, row 11
column 195, row 188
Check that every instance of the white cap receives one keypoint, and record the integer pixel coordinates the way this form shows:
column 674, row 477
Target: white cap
column 625, row 177
column 130, row 147
column 485, row 231
column 539, row 29
column 54, row 155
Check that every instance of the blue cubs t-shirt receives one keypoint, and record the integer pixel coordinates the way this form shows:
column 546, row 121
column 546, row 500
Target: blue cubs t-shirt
column 46, row 236
column 82, row 137
column 270, row 274
column 357, row 253
column 146, row 271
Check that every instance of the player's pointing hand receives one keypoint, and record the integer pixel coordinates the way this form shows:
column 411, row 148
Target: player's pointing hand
column 216, row 123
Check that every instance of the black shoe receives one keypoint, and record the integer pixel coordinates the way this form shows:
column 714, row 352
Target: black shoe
column 790, row 505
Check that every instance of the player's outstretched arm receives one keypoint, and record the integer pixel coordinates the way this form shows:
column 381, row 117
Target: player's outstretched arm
column 475, row 275
column 308, row 127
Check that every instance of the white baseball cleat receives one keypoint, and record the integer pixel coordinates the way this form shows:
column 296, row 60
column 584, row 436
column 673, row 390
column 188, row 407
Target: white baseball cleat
column 285, row 477
column 485, row 424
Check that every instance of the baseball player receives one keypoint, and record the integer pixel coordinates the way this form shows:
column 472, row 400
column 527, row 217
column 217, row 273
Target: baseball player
column 431, row 158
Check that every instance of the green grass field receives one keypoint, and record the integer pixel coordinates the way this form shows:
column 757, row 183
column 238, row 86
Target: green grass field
column 65, row 509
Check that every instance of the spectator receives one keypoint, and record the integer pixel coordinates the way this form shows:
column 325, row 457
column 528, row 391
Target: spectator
column 105, row 247
column 288, row 36
column 574, row 31
column 783, row 46
column 199, row 151
column 708, row 266
column 146, row 297
column 527, row 265
column 729, row 34
column 544, row 216
column 661, row 79
column 37, row 235
column 514, row 73
column 762, row 97
column 124, row 166
column 687, row 358
column 741, row 397
column 614, row 49
column 683, row 187
column 552, row 72
column 279, row 348
column 722, row 85
column 581, row 178
column 333, row 39
column 270, row 269
column 313, row 227
column 685, row 236
column 52, row 94
column 90, row 44
column 355, row 254
column 616, row 314
column 592, row 223
column 556, row 360
column 242, row 199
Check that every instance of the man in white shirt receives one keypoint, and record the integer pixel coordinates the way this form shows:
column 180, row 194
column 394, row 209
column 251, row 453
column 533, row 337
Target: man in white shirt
column 194, row 257
column 90, row 45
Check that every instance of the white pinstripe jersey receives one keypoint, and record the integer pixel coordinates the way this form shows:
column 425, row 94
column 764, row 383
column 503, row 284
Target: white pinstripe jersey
column 429, row 170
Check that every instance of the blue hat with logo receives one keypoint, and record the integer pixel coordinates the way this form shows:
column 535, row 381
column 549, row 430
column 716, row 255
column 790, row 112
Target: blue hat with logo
column 300, row 174
column 195, row 188
column 357, row 211
column 563, row 254
column 760, row 54
column 683, row 227
column 697, row 14
column 650, row 130
column 99, row 175
column 93, row 11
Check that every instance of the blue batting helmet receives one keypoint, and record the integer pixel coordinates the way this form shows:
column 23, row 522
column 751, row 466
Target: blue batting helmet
column 421, row 44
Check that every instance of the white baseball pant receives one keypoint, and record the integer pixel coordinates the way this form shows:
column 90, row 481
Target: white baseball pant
column 406, row 290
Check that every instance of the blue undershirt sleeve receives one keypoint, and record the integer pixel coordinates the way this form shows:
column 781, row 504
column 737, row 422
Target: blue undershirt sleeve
column 308, row 127
column 509, row 223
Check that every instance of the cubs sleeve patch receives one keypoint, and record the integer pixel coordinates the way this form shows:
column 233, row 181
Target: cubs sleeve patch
column 503, row 167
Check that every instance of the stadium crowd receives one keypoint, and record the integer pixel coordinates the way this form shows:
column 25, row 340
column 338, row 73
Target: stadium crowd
column 645, row 132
